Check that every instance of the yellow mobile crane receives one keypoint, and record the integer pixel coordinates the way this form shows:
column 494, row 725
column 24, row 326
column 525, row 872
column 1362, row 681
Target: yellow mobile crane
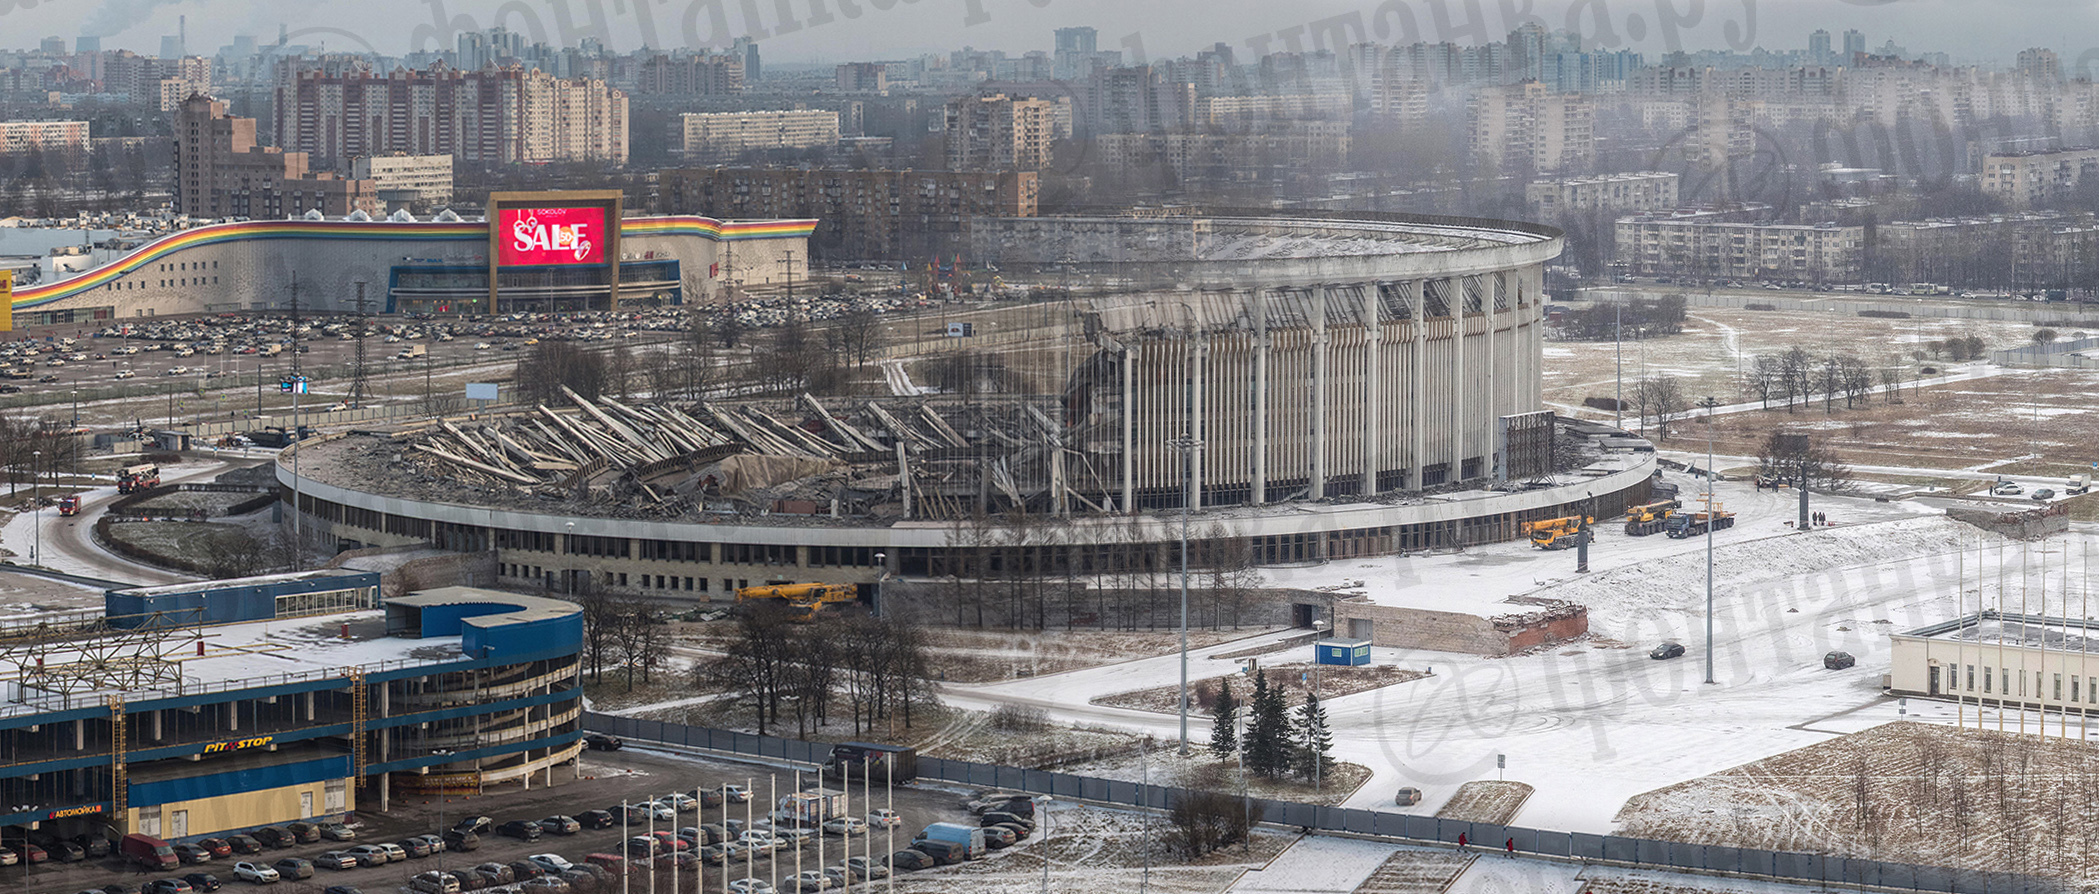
column 1556, row 533
column 1648, row 518
column 809, row 598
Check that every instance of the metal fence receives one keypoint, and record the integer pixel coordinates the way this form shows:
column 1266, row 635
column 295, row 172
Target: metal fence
column 1819, row 869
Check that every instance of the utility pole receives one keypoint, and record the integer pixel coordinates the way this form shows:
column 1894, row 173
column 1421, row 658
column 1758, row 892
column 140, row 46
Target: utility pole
column 298, row 387
column 1711, row 481
column 358, row 389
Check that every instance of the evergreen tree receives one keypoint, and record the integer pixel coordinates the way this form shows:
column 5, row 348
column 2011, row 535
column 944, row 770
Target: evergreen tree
column 1268, row 730
column 1314, row 743
column 1224, row 723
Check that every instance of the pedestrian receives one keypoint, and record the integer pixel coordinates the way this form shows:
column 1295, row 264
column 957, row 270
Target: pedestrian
column 1461, row 841
column 1512, row 848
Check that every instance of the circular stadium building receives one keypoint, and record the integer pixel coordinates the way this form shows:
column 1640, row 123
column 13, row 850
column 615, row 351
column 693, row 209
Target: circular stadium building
column 1323, row 387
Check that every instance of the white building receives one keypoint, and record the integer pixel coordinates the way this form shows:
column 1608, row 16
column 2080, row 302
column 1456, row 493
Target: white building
column 2000, row 659
column 1628, row 193
column 407, row 179
column 48, row 136
column 721, row 136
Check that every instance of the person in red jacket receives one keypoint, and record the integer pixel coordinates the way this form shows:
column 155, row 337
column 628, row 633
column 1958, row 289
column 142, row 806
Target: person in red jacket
column 1512, row 848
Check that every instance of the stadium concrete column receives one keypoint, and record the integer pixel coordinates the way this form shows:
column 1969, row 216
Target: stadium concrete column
column 1319, row 385
column 1456, row 297
column 1259, row 310
column 1200, row 358
column 233, row 716
column 1129, row 431
column 1373, row 387
column 1418, row 395
column 1497, row 294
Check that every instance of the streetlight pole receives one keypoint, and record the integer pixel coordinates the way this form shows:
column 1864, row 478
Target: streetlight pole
column 36, row 495
column 1048, row 829
column 1187, row 445
column 1712, row 479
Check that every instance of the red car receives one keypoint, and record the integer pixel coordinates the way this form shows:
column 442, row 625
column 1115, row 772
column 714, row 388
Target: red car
column 217, row 846
column 667, row 842
column 31, row 854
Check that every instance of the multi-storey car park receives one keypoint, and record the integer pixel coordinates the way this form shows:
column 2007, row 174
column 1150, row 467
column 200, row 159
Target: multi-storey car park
column 186, row 710
column 1347, row 385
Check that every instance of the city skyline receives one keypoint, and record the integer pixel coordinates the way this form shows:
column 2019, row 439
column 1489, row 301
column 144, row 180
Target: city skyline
column 822, row 33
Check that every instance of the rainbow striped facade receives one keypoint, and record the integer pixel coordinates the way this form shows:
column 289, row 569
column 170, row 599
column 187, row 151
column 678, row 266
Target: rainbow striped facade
column 473, row 233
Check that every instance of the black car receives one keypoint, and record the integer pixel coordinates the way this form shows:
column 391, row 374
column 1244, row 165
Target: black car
column 475, row 824
column 271, row 836
column 342, row 889
column 190, row 853
column 522, row 830
column 461, row 840
column 416, row 847
column 526, row 870
column 293, row 868
column 65, row 851
column 97, row 846
column 602, row 742
column 121, row 888
column 911, row 860
column 305, row 833
column 202, row 882
column 243, row 844
column 597, row 819
column 1666, row 651
column 1838, row 660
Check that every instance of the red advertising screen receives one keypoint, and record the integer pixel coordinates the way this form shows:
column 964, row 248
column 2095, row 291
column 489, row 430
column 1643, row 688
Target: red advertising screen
column 527, row 236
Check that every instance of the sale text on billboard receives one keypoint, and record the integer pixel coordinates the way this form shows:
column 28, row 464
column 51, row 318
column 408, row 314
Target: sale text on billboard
column 532, row 236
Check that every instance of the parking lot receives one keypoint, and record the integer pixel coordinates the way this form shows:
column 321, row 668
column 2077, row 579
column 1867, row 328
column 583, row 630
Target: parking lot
column 632, row 774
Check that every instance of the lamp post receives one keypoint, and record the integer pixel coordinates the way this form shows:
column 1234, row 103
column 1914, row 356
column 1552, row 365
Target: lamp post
column 1187, row 445
column 1712, row 478
column 36, row 494
column 444, row 796
column 76, row 408
column 1049, row 825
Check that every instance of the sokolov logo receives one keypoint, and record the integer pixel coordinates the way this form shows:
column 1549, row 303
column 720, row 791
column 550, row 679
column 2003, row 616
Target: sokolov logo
column 527, row 234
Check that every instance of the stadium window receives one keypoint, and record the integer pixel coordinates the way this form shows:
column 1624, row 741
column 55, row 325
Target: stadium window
column 1986, row 679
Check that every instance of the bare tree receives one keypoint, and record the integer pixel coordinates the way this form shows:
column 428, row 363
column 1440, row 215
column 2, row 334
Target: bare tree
column 1790, row 456
column 1661, row 399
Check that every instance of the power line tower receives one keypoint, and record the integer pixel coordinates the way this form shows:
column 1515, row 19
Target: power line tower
column 359, row 390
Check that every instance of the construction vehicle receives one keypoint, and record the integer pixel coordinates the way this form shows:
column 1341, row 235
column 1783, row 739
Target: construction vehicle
column 1698, row 521
column 132, row 479
column 808, row 598
column 69, row 506
column 1648, row 518
column 1556, row 533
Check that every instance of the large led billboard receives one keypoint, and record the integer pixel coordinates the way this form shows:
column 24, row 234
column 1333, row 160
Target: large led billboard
column 542, row 236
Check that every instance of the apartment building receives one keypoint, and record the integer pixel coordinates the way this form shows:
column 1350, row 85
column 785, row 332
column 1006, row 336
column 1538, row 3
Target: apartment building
column 1699, row 246
column 1634, row 192
column 1236, row 155
column 45, row 136
column 1529, row 125
column 407, row 180
column 722, row 136
column 864, row 215
column 221, row 171
column 491, row 116
column 2025, row 179
column 691, row 75
column 1000, row 132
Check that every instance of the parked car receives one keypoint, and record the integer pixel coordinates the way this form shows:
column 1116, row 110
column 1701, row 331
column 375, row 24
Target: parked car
column 2007, row 489
column 811, row 880
column 526, row 870
column 751, row 886
column 121, row 888
column 911, row 860
column 597, row 819
column 683, row 802
column 1837, row 661
column 663, row 810
column 370, row 855
column 500, row 873
column 461, row 840
column 413, row 847
column 1666, row 651
column 866, row 867
column 243, row 844
column 1408, row 796
column 736, row 794
column 1000, row 836
column 271, row 836
column 394, row 852
column 342, row 889
column 641, row 846
column 8, row 857
column 202, row 882
column 434, row 882
column 884, row 817
column 337, row 832
column 845, row 825
column 293, row 868
column 600, row 741
column 436, row 843
column 336, row 860
column 552, row 863
column 255, row 873
column 96, row 846
column 2044, row 495
column 561, row 825
column 191, row 854
column 479, row 825
column 304, row 833
column 522, row 830
column 30, row 853
column 168, row 886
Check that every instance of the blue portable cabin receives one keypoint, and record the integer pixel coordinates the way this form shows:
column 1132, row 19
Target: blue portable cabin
column 1343, row 652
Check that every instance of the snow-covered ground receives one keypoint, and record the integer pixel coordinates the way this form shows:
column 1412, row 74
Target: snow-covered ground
column 1592, row 723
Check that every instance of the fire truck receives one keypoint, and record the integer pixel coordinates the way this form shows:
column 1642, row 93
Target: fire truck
column 69, row 506
column 132, row 479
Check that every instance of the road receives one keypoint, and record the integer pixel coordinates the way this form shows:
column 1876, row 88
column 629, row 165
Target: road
column 606, row 779
column 68, row 544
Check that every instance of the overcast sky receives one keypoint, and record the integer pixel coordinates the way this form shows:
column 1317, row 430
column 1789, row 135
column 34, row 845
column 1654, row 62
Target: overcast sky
column 1983, row 31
